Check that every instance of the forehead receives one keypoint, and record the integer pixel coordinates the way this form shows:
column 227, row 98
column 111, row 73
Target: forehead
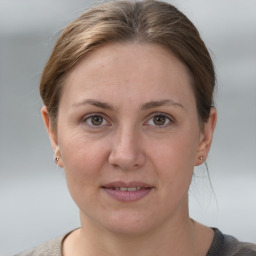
column 116, row 69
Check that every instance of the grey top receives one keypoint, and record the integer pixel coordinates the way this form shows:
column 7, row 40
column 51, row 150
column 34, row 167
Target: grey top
column 222, row 245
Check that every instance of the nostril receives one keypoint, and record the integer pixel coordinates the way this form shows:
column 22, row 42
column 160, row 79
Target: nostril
column 115, row 165
column 126, row 153
column 126, row 162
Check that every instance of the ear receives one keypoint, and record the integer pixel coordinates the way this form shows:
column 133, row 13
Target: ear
column 206, row 138
column 52, row 133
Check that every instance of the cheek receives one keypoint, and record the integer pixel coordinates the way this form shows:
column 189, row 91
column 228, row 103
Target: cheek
column 174, row 159
column 175, row 174
column 83, row 161
column 83, row 166
column 176, row 150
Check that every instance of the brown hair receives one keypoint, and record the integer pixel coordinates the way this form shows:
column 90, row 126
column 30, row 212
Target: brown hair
column 147, row 21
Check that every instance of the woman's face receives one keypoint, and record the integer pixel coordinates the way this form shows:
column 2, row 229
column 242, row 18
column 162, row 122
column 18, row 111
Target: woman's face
column 128, row 137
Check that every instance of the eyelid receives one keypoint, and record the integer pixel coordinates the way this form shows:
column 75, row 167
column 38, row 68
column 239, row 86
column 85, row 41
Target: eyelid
column 87, row 116
column 169, row 117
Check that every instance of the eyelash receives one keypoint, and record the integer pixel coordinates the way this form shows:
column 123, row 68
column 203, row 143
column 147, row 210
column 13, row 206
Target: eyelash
column 87, row 118
column 167, row 118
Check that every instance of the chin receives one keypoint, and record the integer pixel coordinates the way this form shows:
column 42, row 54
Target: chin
column 129, row 223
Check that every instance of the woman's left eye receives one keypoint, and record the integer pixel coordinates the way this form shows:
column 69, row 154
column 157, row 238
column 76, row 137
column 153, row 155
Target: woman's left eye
column 159, row 120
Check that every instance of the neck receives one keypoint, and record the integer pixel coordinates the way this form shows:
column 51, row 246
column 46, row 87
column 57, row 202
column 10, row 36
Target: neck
column 175, row 238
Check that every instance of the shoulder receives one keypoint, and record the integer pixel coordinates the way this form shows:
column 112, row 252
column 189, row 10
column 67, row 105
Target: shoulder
column 226, row 245
column 49, row 248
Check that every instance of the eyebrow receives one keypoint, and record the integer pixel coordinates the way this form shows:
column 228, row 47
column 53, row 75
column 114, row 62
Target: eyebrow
column 146, row 106
column 153, row 104
column 95, row 103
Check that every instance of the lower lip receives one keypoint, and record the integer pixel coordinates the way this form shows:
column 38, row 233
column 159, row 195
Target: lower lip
column 128, row 196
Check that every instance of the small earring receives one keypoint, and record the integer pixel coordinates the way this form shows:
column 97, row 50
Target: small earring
column 57, row 160
column 201, row 158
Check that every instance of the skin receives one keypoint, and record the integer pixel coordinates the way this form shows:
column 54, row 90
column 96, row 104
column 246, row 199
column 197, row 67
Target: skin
column 128, row 87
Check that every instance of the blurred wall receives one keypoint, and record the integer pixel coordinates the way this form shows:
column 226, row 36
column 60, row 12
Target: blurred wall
column 34, row 202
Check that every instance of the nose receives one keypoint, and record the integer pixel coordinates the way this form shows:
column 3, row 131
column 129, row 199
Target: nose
column 126, row 152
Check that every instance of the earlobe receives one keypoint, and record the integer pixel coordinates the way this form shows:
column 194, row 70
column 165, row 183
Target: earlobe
column 206, row 138
column 57, row 157
column 52, row 136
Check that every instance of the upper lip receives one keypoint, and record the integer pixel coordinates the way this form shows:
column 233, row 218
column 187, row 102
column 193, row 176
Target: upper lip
column 130, row 184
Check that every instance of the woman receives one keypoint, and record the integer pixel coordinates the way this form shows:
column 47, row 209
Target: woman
column 128, row 106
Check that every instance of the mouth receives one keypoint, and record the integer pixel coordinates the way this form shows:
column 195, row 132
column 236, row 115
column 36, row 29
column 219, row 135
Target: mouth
column 126, row 188
column 127, row 192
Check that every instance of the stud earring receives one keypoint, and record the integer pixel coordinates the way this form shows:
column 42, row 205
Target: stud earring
column 57, row 160
column 201, row 158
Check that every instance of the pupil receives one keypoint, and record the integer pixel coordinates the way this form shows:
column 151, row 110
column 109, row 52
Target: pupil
column 159, row 120
column 97, row 120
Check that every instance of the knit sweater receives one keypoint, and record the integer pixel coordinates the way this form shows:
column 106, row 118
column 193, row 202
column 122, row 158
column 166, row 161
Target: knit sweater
column 222, row 245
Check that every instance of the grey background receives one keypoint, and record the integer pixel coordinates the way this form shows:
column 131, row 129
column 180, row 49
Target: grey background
column 34, row 202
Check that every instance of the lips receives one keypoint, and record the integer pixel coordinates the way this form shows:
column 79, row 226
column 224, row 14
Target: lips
column 127, row 191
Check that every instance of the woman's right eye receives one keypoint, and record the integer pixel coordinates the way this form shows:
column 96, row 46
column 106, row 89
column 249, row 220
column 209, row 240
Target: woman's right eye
column 95, row 121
